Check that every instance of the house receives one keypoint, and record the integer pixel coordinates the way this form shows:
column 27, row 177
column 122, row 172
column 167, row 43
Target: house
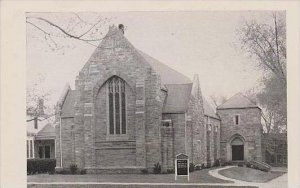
column 40, row 142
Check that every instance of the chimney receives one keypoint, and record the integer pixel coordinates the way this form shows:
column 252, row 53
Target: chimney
column 121, row 27
column 35, row 122
column 41, row 106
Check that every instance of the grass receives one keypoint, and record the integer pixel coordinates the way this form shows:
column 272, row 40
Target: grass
column 201, row 176
column 249, row 174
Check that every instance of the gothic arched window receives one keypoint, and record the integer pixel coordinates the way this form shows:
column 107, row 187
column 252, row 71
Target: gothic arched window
column 116, row 106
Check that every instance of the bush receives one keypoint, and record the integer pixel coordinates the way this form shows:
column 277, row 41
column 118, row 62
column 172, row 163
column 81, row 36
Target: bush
column 208, row 165
column 217, row 162
column 240, row 164
column 41, row 166
column 157, row 168
column 73, row 168
column 144, row 171
column 170, row 171
column 199, row 166
column 191, row 167
column 83, row 171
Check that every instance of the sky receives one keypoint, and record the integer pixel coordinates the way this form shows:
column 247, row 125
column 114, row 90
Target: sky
column 200, row 42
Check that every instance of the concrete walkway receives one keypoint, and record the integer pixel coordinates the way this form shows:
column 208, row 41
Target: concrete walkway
column 279, row 182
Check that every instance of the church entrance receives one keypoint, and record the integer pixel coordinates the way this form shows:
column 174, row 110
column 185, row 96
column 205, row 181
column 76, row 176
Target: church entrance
column 237, row 148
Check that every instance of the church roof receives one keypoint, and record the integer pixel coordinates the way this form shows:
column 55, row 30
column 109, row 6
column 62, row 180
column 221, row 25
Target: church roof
column 208, row 110
column 68, row 105
column 238, row 101
column 167, row 74
column 177, row 98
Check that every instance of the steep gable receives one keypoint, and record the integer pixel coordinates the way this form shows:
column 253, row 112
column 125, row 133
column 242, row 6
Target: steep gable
column 167, row 74
column 238, row 101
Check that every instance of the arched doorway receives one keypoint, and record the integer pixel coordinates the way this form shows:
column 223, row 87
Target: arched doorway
column 237, row 149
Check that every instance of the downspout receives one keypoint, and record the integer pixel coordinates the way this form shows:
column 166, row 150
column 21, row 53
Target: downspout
column 60, row 142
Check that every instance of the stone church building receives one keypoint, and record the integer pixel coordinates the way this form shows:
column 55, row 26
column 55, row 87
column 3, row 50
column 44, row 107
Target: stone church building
column 129, row 111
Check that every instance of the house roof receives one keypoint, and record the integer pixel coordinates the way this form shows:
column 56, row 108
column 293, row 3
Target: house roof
column 238, row 101
column 47, row 132
column 45, row 129
column 68, row 104
column 167, row 74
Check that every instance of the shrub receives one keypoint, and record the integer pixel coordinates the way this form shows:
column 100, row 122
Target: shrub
column 83, row 171
column 208, row 165
column 191, row 167
column 217, row 162
column 199, row 166
column 41, row 166
column 240, row 164
column 157, row 168
column 73, row 168
column 144, row 171
column 170, row 171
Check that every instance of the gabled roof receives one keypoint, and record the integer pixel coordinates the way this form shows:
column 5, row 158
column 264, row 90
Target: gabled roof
column 45, row 129
column 167, row 74
column 178, row 97
column 238, row 101
column 208, row 110
column 68, row 104
column 47, row 132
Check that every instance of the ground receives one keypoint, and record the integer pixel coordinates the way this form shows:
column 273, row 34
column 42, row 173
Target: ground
column 207, row 178
column 249, row 174
column 201, row 176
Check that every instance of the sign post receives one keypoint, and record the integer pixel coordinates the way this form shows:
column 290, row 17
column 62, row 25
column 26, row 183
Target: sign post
column 182, row 166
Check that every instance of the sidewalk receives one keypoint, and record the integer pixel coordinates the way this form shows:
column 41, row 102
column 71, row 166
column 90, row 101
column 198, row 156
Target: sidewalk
column 280, row 182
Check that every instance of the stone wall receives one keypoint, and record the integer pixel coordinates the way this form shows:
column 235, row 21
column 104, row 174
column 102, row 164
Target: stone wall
column 94, row 148
column 249, row 130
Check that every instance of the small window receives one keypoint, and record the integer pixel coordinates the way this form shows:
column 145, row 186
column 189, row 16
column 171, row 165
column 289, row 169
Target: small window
column 279, row 158
column 216, row 129
column 236, row 119
column 47, row 152
column 31, row 149
column 209, row 127
column 166, row 123
column 27, row 148
column 44, row 152
column 284, row 159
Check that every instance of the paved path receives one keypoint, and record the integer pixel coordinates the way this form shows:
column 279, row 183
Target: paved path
column 279, row 182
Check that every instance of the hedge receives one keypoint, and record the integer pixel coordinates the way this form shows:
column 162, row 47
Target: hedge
column 40, row 166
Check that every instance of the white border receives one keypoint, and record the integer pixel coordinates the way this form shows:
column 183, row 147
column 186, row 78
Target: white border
column 13, row 69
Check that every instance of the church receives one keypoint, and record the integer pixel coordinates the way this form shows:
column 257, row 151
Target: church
column 128, row 111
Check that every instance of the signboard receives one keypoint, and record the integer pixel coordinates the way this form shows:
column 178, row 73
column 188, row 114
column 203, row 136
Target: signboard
column 182, row 166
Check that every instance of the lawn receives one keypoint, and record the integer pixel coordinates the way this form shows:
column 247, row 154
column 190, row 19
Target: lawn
column 201, row 176
column 249, row 174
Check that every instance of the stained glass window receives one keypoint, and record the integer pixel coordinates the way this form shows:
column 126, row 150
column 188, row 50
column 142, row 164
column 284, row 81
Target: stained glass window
column 117, row 105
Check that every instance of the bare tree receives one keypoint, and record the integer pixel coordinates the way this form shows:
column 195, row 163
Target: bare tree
column 53, row 26
column 217, row 100
column 267, row 44
column 36, row 98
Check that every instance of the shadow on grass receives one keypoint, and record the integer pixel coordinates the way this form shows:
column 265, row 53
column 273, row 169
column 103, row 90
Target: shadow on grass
column 249, row 174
